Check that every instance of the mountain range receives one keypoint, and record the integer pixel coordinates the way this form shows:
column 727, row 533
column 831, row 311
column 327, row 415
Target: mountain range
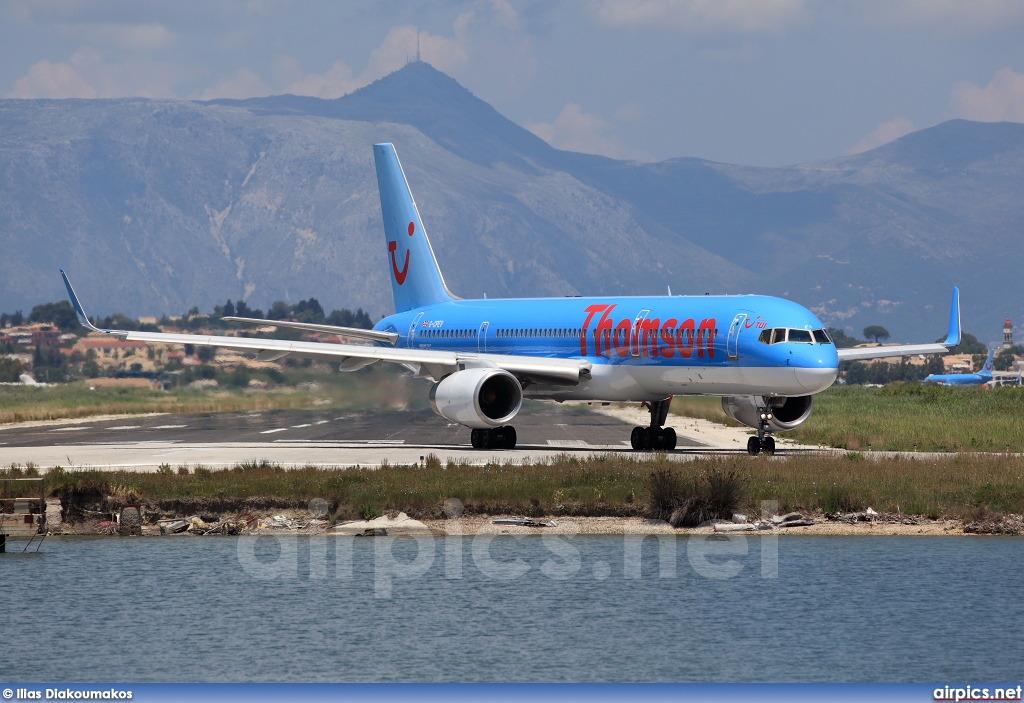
column 153, row 206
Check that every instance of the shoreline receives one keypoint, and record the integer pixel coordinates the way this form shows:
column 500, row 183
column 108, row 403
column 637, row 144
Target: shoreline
column 471, row 525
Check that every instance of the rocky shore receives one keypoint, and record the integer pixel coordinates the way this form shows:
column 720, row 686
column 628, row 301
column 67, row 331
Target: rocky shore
column 302, row 522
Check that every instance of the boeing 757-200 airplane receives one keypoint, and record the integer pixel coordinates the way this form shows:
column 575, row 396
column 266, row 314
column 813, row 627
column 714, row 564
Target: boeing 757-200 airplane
column 766, row 357
column 966, row 379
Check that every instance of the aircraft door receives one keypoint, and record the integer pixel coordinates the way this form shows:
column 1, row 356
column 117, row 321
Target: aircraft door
column 634, row 345
column 481, row 337
column 732, row 342
column 414, row 330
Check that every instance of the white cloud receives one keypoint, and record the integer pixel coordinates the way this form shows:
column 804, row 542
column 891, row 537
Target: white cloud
column 576, row 130
column 1002, row 100
column 958, row 15
column 90, row 73
column 397, row 49
column 629, row 112
column 486, row 46
column 882, row 134
column 243, row 83
column 52, row 80
column 486, row 38
column 703, row 16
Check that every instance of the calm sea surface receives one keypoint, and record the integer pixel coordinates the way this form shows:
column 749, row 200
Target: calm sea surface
column 531, row 609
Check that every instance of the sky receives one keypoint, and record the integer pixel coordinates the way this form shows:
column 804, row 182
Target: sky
column 754, row 82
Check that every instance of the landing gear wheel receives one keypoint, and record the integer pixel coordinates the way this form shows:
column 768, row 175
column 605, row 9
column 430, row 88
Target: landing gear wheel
column 768, row 446
column 753, row 446
column 650, row 437
column 496, row 438
column 510, row 437
column 668, row 441
column 636, row 438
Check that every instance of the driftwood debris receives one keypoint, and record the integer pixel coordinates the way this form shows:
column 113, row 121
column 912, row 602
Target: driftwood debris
column 521, row 522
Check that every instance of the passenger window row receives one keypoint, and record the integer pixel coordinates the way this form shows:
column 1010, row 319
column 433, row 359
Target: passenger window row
column 534, row 332
column 783, row 334
column 449, row 334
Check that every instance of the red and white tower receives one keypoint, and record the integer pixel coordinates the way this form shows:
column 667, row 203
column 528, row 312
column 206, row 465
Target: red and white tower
column 1007, row 334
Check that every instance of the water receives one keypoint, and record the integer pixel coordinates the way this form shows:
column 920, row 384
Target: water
column 190, row 609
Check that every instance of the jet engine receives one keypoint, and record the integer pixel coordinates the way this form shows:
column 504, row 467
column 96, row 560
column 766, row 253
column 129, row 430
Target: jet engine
column 478, row 398
column 785, row 413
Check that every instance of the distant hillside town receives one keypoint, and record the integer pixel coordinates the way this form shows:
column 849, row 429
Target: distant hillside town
column 49, row 346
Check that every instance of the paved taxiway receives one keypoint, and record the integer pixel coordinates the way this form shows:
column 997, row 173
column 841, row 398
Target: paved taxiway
column 299, row 438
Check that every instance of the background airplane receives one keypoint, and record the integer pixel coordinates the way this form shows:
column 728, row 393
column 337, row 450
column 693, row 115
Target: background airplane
column 766, row 357
column 965, row 379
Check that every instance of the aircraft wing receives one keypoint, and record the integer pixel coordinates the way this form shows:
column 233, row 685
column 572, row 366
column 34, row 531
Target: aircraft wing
column 390, row 338
column 952, row 339
column 858, row 353
column 426, row 362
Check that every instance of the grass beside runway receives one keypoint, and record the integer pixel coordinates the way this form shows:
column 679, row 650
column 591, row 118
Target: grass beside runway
column 901, row 417
column 931, row 417
column 954, row 485
column 377, row 388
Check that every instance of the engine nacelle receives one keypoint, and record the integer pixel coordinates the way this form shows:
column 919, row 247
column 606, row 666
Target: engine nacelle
column 786, row 413
column 478, row 398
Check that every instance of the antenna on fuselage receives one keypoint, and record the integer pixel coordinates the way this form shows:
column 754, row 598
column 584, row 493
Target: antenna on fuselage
column 669, row 289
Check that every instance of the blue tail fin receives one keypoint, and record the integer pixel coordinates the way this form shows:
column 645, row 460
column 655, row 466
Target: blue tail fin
column 986, row 368
column 415, row 278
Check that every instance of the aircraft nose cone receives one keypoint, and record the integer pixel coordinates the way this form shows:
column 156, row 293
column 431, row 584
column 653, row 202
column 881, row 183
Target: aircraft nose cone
column 816, row 380
column 817, row 367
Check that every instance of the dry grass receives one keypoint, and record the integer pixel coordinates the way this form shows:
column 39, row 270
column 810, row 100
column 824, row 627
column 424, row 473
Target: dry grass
column 604, row 485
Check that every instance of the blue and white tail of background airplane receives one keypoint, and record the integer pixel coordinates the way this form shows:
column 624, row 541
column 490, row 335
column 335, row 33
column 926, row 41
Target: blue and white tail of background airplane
column 766, row 357
column 966, row 379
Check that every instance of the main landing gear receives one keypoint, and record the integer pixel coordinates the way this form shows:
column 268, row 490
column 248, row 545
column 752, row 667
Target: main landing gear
column 495, row 438
column 655, row 436
column 762, row 442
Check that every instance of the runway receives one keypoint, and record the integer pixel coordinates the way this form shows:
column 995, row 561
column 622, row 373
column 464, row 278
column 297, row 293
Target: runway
column 299, row 438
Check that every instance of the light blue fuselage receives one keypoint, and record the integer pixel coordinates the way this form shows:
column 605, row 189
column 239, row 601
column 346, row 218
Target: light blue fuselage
column 641, row 348
column 958, row 379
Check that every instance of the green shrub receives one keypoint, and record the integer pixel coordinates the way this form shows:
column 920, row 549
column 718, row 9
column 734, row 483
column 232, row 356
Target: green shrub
column 839, row 499
column 368, row 511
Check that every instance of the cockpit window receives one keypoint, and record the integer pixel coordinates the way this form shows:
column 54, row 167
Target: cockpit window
column 800, row 336
column 781, row 334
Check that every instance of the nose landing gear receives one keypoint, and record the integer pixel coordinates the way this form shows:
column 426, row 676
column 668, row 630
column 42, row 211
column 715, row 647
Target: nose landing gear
column 496, row 438
column 762, row 442
column 755, row 446
column 655, row 436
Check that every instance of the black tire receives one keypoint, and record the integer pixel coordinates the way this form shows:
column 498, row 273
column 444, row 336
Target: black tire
column 636, row 438
column 486, row 439
column 650, row 437
column 510, row 437
column 753, row 446
column 669, row 443
column 474, row 438
column 768, row 446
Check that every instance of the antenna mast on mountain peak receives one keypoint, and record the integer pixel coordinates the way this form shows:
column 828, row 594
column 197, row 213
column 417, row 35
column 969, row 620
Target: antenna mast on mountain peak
column 417, row 45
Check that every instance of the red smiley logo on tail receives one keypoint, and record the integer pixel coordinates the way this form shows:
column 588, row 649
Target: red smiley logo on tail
column 392, row 246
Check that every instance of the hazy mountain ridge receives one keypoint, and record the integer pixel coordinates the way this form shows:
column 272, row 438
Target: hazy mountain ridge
column 155, row 206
